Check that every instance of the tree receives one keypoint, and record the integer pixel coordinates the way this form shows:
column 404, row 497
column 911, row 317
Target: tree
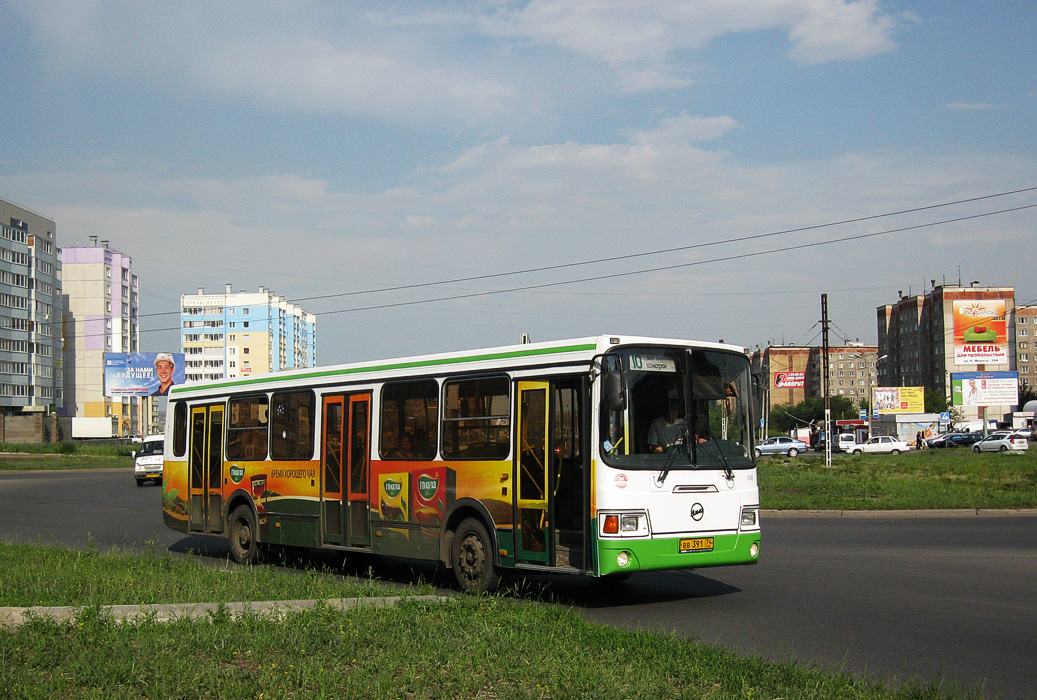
column 935, row 401
column 810, row 412
column 1027, row 392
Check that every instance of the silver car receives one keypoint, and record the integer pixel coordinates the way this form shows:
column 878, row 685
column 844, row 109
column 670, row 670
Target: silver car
column 781, row 446
column 1002, row 442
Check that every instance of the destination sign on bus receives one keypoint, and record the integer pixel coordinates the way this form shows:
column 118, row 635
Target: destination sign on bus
column 644, row 362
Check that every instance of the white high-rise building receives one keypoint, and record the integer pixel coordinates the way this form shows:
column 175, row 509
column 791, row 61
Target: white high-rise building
column 236, row 334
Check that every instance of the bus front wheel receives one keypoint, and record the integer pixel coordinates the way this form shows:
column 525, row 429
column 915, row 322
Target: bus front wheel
column 242, row 534
column 472, row 558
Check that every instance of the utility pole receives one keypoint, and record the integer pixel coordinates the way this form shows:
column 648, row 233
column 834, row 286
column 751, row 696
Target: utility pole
column 825, row 380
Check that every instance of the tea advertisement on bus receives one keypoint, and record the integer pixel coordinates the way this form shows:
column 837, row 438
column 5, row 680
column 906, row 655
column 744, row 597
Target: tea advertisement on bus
column 980, row 332
column 984, row 388
column 142, row 373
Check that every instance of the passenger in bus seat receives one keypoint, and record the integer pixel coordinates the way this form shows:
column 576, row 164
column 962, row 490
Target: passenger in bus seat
column 404, row 451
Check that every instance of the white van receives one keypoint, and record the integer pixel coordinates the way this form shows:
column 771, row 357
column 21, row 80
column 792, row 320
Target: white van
column 147, row 464
column 844, row 442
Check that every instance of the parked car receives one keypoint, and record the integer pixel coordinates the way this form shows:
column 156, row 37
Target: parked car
column 147, row 463
column 880, row 444
column 964, row 439
column 940, row 441
column 1002, row 442
column 781, row 446
column 845, row 441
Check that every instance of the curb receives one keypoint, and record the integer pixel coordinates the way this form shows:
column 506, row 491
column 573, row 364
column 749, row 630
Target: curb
column 16, row 617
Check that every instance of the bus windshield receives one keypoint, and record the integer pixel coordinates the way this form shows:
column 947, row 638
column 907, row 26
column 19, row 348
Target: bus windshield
column 672, row 408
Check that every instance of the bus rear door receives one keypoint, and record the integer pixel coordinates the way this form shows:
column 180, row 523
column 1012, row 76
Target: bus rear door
column 345, row 465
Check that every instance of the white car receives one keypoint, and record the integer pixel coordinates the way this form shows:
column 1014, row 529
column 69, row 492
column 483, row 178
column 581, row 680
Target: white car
column 880, row 444
column 147, row 464
column 1002, row 442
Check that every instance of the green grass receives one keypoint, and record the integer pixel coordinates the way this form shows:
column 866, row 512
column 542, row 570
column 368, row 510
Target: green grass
column 933, row 479
column 64, row 455
column 45, row 575
column 468, row 647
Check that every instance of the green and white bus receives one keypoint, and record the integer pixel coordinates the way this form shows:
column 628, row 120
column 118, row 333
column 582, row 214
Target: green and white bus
column 600, row 456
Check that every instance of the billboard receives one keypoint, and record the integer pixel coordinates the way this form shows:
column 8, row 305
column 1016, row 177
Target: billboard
column 142, row 373
column 980, row 331
column 790, row 380
column 984, row 388
column 898, row 399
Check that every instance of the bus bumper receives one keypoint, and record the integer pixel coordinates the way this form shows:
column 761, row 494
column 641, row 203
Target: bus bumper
column 625, row 556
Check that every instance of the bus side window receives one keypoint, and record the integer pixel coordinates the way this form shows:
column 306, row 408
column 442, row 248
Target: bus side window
column 180, row 429
column 247, row 428
column 477, row 418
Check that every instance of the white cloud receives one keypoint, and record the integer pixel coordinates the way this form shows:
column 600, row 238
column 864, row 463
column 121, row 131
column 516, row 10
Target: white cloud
column 645, row 32
column 282, row 57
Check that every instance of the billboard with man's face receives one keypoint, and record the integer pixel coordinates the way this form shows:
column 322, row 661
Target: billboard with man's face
column 142, row 373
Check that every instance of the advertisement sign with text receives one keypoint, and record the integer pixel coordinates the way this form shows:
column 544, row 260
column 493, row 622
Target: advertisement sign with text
column 790, row 380
column 984, row 388
column 142, row 373
column 898, row 399
column 980, row 331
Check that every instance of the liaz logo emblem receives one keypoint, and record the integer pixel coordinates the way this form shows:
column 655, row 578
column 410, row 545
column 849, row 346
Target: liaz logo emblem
column 392, row 488
column 427, row 486
column 236, row 473
column 697, row 511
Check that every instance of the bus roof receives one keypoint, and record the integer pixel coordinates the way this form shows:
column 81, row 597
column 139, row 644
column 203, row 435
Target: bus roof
column 556, row 352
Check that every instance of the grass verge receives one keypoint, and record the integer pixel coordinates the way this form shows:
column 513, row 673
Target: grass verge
column 463, row 648
column 44, row 575
column 64, row 455
column 931, row 479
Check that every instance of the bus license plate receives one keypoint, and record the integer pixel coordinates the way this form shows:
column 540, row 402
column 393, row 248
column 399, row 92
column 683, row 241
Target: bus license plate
column 697, row 544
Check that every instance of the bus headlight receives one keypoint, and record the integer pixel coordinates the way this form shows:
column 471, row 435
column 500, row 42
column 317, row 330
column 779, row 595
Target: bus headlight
column 623, row 558
column 623, row 524
column 749, row 517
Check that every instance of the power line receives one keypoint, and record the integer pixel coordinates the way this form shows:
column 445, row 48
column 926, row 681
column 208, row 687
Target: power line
column 546, row 285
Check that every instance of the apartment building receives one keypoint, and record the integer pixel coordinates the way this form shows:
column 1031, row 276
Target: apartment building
column 236, row 334
column 102, row 299
column 31, row 379
column 1026, row 345
column 923, row 339
column 794, row 373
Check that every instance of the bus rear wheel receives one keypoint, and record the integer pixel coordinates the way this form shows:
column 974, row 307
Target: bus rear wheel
column 241, row 531
column 472, row 558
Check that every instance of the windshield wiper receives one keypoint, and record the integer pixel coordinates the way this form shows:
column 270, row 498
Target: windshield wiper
column 681, row 445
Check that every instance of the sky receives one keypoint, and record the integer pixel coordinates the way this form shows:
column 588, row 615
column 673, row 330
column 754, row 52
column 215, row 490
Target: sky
column 437, row 176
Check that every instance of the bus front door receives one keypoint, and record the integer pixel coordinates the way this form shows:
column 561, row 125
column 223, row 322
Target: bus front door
column 532, row 464
column 345, row 463
column 206, row 465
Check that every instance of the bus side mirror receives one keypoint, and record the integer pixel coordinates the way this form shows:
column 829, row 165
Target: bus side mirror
column 615, row 397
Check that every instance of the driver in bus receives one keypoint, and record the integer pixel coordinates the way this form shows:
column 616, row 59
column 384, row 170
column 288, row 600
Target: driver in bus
column 666, row 431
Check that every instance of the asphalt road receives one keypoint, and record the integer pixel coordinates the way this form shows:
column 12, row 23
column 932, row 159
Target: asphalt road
column 936, row 597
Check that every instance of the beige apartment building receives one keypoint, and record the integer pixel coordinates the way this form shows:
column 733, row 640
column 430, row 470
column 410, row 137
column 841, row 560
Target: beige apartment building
column 102, row 316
